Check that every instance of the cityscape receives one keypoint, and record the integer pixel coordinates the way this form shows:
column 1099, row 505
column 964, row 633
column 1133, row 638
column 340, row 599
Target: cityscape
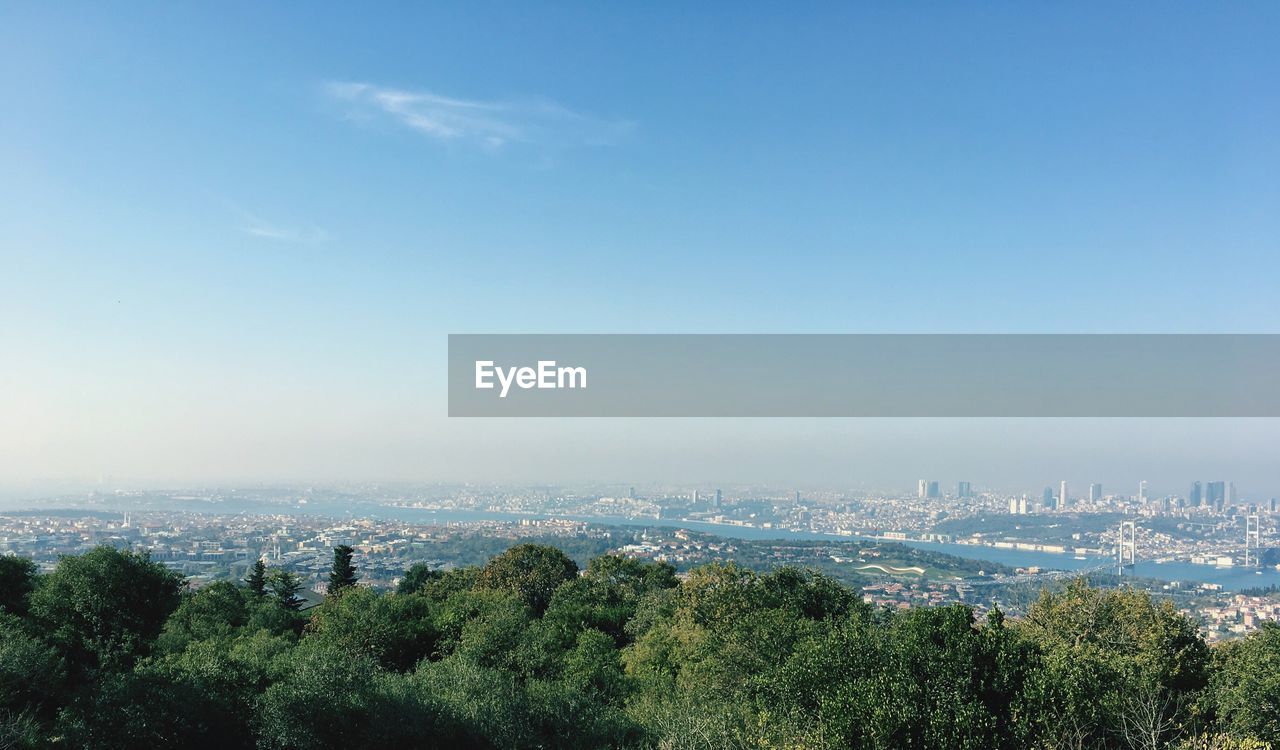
column 1212, row 551
column 639, row 376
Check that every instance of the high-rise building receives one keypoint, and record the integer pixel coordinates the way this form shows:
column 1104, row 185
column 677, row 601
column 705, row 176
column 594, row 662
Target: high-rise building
column 631, row 493
column 1142, row 492
column 1215, row 495
column 1013, row 506
column 1232, row 498
column 963, row 491
column 719, row 499
column 933, row 491
column 695, row 497
column 1046, row 501
column 923, row 489
column 1196, row 496
column 1063, row 502
column 1022, row 505
column 1095, row 492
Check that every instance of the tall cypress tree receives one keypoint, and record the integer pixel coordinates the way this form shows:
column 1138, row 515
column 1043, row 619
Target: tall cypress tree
column 286, row 585
column 257, row 579
column 343, row 573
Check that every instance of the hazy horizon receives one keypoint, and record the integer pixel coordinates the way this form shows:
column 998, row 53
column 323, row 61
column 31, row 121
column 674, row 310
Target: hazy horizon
column 782, row 453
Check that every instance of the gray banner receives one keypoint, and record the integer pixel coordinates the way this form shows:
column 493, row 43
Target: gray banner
column 855, row 375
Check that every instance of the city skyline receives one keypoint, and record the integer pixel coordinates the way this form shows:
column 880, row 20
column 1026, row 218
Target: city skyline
column 1218, row 494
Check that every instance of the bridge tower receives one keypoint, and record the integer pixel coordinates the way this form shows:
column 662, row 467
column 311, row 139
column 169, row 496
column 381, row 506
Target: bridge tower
column 1252, row 539
column 1128, row 547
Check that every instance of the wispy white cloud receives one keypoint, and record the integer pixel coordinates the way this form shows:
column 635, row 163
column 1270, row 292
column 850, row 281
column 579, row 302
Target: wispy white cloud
column 487, row 124
column 259, row 227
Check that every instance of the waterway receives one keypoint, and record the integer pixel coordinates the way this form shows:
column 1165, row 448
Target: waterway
column 1229, row 578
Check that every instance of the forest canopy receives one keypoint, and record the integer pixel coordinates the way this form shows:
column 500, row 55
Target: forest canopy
column 112, row 650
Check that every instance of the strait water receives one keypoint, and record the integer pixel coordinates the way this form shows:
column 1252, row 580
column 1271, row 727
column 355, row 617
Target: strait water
column 1229, row 578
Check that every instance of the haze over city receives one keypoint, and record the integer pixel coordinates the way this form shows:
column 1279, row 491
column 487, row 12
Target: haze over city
column 954, row 426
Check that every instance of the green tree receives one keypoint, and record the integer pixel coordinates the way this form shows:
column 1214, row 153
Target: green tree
column 725, row 626
column 17, row 581
column 257, row 578
column 492, row 708
column 32, row 673
column 526, row 653
column 486, row 627
column 487, row 702
column 593, row 667
column 1246, row 685
column 149, row 708
column 285, row 586
column 265, row 613
column 925, row 678
column 605, row 597
column 439, row 586
column 343, row 574
column 810, row 594
column 631, row 577
column 329, row 698
column 416, row 577
column 216, row 610
column 204, row 697
column 1119, row 667
column 105, row 607
column 530, row 571
column 396, row 630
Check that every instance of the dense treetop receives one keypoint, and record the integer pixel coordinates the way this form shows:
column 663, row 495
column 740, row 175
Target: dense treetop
column 111, row 650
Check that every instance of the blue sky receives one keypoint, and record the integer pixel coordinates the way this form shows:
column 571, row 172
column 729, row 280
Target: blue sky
column 228, row 228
